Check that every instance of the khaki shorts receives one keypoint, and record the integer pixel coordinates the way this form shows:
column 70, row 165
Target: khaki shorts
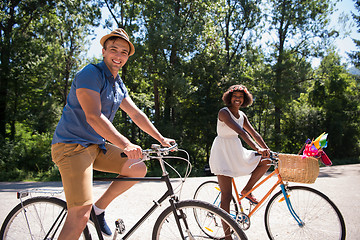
column 76, row 164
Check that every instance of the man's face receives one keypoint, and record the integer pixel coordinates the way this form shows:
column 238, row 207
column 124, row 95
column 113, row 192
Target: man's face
column 116, row 54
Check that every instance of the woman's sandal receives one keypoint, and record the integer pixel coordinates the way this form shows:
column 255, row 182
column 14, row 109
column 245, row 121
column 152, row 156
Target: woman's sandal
column 252, row 199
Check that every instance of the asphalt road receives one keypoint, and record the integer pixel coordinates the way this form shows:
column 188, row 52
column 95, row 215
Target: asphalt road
column 340, row 183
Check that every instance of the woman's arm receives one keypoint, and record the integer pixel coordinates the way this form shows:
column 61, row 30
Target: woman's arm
column 258, row 145
column 225, row 117
column 254, row 134
column 264, row 151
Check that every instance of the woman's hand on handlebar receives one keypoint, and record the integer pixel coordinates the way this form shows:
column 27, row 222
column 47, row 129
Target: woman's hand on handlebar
column 133, row 151
column 264, row 152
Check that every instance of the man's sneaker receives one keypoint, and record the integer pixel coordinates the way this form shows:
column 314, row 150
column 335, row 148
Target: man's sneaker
column 103, row 225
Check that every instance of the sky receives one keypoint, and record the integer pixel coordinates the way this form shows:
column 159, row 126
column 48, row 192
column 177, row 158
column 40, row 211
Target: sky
column 343, row 45
column 346, row 45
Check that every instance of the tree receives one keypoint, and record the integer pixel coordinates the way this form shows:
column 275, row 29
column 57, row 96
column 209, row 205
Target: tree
column 297, row 26
column 35, row 34
column 16, row 19
column 73, row 21
column 336, row 93
column 355, row 55
column 172, row 29
column 220, row 60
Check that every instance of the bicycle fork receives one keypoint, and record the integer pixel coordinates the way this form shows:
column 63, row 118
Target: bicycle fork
column 181, row 216
column 291, row 209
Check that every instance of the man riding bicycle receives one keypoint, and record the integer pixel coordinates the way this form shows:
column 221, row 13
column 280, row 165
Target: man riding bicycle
column 79, row 143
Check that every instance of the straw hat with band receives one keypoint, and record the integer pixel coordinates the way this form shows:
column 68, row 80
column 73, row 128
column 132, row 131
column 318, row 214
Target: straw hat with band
column 119, row 32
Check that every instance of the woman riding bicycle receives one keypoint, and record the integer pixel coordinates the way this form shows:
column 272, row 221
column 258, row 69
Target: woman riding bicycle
column 228, row 158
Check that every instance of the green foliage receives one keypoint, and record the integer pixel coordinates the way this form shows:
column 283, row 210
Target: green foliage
column 340, row 104
column 187, row 54
column 355, row 55
column 27, row 157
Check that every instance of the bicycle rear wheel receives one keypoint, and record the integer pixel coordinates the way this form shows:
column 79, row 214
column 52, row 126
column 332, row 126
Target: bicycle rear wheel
column 209, row 191
column 321, row 218
column 37, row 218
column 210, row 217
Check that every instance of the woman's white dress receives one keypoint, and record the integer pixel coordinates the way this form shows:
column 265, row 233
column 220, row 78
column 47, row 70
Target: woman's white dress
column 228, row 157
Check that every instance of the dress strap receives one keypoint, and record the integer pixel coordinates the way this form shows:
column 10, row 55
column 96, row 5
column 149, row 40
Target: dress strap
column 232, row 115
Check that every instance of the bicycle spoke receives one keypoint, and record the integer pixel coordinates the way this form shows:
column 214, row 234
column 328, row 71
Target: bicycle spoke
column 321, row 219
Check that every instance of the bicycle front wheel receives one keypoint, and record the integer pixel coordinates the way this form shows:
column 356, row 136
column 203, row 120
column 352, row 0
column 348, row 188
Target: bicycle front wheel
column 37, row 218
column 212, row 219
column 320, row 216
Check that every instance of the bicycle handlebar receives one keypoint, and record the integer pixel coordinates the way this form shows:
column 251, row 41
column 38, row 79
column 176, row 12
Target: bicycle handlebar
column 156, row 148
column 273, row 155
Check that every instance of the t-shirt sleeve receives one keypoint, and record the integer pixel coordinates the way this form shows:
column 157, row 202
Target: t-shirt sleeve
column 89, row 77
column 124, row 89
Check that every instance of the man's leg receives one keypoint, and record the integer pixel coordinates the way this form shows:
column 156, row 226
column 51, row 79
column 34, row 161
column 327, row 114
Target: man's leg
column 112, row 161
column 76, row 220
column 117, row 188
column 75, row 165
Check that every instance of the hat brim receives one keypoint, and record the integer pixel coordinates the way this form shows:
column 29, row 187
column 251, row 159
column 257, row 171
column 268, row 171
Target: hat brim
column 104, row 38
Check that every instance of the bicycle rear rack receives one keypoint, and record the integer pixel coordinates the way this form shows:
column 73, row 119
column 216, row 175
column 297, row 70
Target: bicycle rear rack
column 24, row 193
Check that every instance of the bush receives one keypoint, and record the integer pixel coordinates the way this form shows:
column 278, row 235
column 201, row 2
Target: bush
column 27, row 157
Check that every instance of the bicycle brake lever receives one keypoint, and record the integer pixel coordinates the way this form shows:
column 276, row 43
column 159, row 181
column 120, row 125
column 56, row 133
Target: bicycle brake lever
column 142, row 160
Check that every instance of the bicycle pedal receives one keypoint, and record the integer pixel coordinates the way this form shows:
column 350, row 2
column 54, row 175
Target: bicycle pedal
column 120, row 226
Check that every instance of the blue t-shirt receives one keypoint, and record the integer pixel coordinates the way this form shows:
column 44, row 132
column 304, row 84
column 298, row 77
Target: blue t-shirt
column 73, row 127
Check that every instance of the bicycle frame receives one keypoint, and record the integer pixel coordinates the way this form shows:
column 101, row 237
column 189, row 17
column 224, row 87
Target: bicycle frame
column 169, row 193
column 173, row 199
column 278, row 182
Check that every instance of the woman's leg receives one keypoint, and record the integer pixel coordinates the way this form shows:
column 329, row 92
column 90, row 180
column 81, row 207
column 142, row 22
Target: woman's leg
column 259, row 171
column 226, row 191
column 225, row 184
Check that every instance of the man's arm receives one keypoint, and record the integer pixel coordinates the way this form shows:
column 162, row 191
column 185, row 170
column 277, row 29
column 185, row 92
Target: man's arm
column 91, row 105
column 143, row 122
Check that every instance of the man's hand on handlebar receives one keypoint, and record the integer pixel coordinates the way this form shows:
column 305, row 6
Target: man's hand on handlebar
column 133, row 151
column 167, row 142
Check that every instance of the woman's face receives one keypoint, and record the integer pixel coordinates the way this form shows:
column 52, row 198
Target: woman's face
column 237, row 99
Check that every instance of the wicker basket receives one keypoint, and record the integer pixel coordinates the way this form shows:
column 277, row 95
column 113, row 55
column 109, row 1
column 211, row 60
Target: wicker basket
column 294, row 168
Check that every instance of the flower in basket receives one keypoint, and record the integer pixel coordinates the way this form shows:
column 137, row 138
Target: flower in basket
column 310, row 150
column 315, row 149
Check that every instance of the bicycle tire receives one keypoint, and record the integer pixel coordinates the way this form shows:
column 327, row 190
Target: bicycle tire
column 209, row 191
column 322, row 219
column 41, row 214
column 165, row 227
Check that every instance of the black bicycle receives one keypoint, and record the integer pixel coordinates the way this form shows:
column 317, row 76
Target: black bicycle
column 42, row 217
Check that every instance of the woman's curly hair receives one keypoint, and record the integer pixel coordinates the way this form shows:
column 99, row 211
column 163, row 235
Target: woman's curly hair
column 248, row 98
